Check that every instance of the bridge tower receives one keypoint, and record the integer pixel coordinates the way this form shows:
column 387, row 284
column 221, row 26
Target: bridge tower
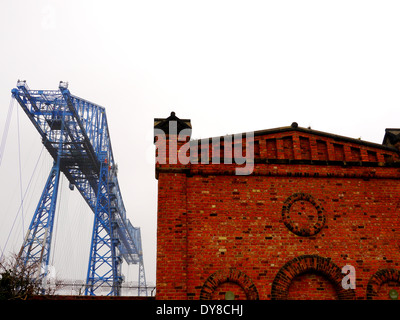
column 75, row 133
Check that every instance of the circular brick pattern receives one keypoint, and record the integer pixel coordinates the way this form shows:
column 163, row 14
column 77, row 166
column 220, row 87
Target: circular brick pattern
column 381, row 277
column 312, row 264
column 229, row 275
column 302, row 214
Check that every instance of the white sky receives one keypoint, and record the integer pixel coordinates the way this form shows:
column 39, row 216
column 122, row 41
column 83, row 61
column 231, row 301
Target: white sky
column 229, row 66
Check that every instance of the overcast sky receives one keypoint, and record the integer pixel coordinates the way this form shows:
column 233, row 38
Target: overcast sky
column 229, row 66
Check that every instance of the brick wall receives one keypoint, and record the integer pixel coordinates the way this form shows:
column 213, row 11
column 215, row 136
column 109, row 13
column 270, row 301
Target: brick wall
column 311, row 286
column 313, row 203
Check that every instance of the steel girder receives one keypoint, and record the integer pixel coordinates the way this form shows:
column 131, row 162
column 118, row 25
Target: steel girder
column 75, row 133
column 36, row 247
column 103, row 271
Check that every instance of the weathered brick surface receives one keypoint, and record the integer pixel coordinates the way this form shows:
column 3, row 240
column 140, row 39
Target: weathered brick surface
column 311, row 286
column 229, row 279
column 220, row 292
column 313, row 203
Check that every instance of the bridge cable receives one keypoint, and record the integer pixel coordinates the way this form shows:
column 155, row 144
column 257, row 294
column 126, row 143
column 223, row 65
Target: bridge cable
column 20, row 175
column 6, row 129
column 16, row 216
column 57, row 218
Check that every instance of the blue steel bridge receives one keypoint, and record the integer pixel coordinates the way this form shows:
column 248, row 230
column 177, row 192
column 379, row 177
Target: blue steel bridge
column 75, row 133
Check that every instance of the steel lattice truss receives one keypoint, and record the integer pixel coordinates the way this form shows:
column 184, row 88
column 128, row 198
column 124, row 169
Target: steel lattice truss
column 75, row 133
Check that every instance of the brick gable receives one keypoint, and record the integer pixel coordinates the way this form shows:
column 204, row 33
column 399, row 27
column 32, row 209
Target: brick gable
column 309, row 194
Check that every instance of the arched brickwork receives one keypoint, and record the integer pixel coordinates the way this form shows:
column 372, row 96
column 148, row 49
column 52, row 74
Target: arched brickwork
column 380, row 277
column 229, row 275
column 309, row 263
column 304, row 231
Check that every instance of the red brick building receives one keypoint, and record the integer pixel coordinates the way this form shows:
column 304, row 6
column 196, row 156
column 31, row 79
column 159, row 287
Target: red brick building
column 311, row 203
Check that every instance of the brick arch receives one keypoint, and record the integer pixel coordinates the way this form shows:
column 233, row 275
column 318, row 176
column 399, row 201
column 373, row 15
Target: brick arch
column 309, row 263
column 229, row 275
column 379, row 278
